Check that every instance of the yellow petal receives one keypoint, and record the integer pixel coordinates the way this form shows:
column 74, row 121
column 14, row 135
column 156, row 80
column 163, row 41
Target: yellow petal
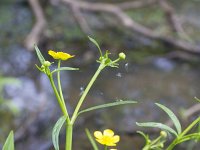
column 53, row 54
column 108, row 132
column 110, row 144
column 64, row 56
column 101, row 141
column 98, row 135
column 115, row 138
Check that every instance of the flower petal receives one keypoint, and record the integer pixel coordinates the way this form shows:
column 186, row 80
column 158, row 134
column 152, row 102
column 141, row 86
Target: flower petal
column 108, row 132
column 110, row 144
column 115, row 138
column 64, row 56
column 101, row 141
column 98, row 135
column 53, row 54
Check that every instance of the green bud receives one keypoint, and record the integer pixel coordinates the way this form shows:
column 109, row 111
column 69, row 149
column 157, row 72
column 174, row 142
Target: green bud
column 163, row 134
column 47, row 63
column 122, row 55
column 148, row 141
column 161, row 145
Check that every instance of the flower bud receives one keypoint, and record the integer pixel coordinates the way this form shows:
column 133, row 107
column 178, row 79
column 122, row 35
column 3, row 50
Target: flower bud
column 161, row 145
column 122, row 55
column 163, row 134
column 47, row 63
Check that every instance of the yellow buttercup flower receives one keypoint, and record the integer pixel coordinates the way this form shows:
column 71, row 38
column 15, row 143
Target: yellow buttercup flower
column 60, row 55
column 107, row 137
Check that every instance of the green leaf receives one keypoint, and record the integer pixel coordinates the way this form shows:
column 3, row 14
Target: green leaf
column 197, row 99
column 172, row 116
column 9, row 144
column 91, row 139
column 120, row 102
column 56, row 131
column 157, row 125
column 39, row 54
column 95, row 42
column 64, row 68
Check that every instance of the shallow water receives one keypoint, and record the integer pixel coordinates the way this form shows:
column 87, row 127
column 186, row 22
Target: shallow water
column 146, row 84
column 160, row 80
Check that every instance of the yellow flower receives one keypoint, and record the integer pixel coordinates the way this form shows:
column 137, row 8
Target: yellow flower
column 60, row 55
column 107, row 138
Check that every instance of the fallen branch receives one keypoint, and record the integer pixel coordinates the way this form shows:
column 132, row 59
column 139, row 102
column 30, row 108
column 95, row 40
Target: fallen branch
column 172, row 19
column 80, row 20
column 130, row 24
column 36, row 32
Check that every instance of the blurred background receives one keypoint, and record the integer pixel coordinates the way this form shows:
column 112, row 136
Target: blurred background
column 160, row 38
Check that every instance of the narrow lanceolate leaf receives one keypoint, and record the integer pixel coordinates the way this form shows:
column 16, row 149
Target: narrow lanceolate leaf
column 39, row 54
column 9, row 144
column 172, row 116
column 56, row 131
column 93, row 41
column 107, row 105
column 64, row 68
column 92, row 141
column 157, row 125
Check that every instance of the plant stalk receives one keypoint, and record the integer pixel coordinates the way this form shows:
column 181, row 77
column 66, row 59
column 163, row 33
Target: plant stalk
column 69, row 132
column 60, row 91
column 173, row 144
column 101, row 66
column 59, row 84
column 63, row 108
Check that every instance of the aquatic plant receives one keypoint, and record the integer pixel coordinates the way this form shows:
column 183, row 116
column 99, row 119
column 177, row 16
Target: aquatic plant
column 107, row 138
column 67, row 120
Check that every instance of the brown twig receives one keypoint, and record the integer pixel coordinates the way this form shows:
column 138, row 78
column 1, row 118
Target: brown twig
column 130, row 24
column 36, row 32
column 136, row 4
column 172, row 19
column 80, row 20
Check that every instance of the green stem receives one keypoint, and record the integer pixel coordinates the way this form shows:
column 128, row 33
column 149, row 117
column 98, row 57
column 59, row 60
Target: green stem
column 59, row 84
column 63, row 108
column 173, row 144
column 60, row 90
column 190, row 127
column 156, row 140
column 106, row 148
column 86, row 92
column 69, row 132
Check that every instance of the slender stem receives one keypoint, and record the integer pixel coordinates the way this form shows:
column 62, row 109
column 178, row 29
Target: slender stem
column 106, row 148
column 190, row 127
column 63, row 108
column 59, row 84
column 171, row 146
column 60, row 90
column 85, row 92
column 156, row 140
column 69, row 133
column 91, row 139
